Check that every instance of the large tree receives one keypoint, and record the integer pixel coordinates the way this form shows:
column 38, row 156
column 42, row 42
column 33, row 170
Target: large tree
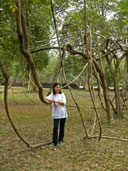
column 9, row 48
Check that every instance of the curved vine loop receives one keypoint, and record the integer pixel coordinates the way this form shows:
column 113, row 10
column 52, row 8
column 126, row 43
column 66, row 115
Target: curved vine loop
column 6, row 76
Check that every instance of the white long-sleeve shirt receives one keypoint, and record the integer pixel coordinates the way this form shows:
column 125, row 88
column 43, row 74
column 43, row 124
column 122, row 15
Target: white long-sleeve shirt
column 60, row 111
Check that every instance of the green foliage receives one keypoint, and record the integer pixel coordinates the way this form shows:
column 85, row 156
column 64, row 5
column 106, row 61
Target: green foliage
column 73, row 66
column 108, row 76
column 48, row 72
column 70, row 21
column 38, row 29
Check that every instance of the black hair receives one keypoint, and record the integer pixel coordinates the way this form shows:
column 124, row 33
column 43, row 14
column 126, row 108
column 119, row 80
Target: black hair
column 55, row 84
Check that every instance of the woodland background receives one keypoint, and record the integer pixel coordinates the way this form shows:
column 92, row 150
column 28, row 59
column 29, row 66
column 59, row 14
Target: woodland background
column 43, row 41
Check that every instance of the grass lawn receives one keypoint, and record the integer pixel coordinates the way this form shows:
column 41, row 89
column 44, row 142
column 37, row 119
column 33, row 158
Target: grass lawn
column 33, row 120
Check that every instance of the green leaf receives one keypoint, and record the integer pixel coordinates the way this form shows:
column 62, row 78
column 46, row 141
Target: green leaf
column 124, row 21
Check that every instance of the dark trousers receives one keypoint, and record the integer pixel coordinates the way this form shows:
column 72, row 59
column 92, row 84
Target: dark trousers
column 55, row 130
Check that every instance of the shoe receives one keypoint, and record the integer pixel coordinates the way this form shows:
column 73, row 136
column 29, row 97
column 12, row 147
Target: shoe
column 52, row 145
column 60, row 142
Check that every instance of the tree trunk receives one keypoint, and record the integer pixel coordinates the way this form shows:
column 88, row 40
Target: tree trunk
column 107, row 102
column 124, row 92
column 102, row 78
column 105, row 93
column 117, row 91
column 24, row 47
column 31, row 85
